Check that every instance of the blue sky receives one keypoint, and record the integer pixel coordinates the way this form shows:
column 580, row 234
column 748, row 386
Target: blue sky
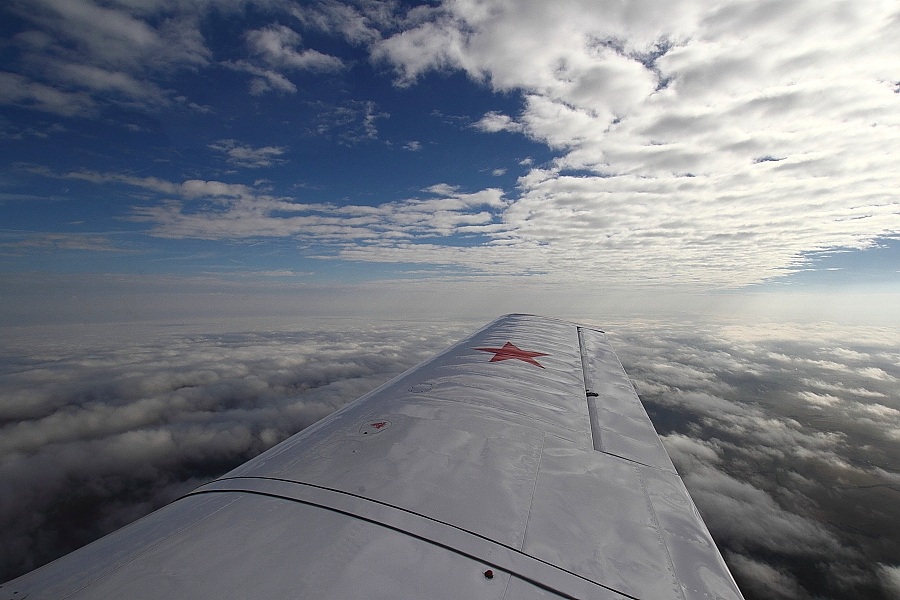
column 698, row 148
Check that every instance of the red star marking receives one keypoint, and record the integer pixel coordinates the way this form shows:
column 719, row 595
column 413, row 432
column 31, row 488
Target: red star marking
column 509, row 351
column 378, row 425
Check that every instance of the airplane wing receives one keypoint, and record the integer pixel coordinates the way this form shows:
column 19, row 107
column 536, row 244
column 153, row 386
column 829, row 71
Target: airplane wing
column 518, row 463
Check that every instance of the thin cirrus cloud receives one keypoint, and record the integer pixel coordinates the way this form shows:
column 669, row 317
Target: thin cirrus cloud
column 17, row 90
column 242, row 155
column 60, row 241
column 230, row 211
column 278, row 48
column 79, row 47
column 349, row 122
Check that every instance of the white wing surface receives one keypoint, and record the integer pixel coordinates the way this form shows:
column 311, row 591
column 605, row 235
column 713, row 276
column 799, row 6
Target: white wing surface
column 519, row 463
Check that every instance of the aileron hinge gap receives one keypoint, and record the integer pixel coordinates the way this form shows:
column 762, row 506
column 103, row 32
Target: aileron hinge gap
column 589, row 392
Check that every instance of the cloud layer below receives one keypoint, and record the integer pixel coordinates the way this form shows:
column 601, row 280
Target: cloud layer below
column 786, row 437
column 96, row 432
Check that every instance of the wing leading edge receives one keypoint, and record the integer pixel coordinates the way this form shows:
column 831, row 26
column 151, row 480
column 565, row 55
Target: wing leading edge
column 518, row 463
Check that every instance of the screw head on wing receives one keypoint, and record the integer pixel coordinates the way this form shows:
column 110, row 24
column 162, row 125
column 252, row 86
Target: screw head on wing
column 510, row 352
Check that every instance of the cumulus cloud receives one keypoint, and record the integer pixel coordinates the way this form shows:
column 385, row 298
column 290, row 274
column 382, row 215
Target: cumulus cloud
column 891, row 579
column 700, row 143
column 750, row 519
column 682, row 110
column 820, row 399
column 277, row 48
column 80, row 53
column 765, row 580
column 115, row 36
column 687, row 153
column 493, row 122
column 410, row 230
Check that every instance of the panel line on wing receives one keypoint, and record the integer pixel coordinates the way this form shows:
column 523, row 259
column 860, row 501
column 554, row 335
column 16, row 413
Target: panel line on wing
column 533, row 492
column 445, row 535
column 662, row 541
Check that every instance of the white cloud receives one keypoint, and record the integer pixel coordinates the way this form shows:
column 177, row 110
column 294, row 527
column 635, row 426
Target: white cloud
column 352, row 122
column 493, row 122
column 278, row 44
column 62, row 241
column 103, row 80
column 191, row 188
column 266, row 79
column 819, row 399
column 117, row 36
column 764, row 579
column 891, row 579
column 18, row 90
column 278, row 48
column 876, row 373
column 672, row 117
column 358, row 24
column 231, row 211
column 762, row 457
column 242, row 155
column 752, row 519
column 682, row 448
column 79, row 45
column 839, row 387
column 674, row 112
